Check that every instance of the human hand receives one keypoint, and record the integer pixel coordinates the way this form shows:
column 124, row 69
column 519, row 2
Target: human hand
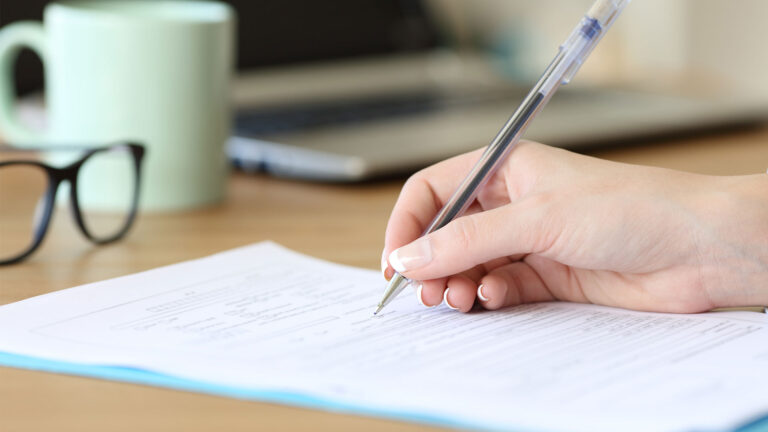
column 554, row 225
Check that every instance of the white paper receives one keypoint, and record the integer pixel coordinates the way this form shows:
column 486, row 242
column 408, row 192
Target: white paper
column 264, row 317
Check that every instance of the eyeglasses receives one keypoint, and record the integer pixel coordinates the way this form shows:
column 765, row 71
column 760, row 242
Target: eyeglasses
column 103, row 188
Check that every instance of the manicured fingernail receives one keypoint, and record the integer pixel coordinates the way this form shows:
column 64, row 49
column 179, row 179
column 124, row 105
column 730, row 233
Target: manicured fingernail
column 445, row 300
column 384, row 263
column 388, row 274
column 411, row 256
column 480, row 293
column 386, row 270
column 419, row 287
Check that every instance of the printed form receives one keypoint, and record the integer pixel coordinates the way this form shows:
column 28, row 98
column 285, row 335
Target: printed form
column 263, row 317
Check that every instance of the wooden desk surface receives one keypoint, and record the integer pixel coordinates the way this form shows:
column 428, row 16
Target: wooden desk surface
column 342, row 223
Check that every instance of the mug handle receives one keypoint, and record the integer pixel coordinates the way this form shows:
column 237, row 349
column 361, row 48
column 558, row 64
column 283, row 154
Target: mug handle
column 13, row 38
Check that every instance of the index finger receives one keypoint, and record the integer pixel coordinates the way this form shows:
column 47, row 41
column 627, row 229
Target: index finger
column 422, row 196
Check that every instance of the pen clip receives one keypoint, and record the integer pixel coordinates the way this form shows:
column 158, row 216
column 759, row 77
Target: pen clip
column 571, row 72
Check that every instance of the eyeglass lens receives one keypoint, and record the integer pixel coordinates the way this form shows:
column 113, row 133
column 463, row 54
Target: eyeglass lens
column 22, row 206
column 106, row 186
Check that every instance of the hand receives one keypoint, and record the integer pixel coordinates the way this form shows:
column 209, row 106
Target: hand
column 554, row 225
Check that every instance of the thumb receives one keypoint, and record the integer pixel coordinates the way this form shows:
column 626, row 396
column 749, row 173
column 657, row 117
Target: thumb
column 524, row 227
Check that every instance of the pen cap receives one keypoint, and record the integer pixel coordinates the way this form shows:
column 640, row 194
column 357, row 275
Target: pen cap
column 606, row 11
column 589, row 32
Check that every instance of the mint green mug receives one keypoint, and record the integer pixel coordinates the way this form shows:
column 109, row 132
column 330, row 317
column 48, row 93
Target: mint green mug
column 156, row 72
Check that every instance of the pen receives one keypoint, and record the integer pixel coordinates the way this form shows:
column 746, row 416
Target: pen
column 560, row 71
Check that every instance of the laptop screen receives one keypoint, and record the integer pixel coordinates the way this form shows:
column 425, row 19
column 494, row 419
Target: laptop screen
column 279, row 32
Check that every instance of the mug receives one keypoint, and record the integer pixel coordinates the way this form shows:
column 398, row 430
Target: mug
column 152, row 71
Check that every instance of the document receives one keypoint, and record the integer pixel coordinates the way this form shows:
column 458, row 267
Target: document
column 262, row 322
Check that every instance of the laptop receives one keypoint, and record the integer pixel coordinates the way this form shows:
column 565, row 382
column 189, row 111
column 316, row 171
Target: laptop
column 343, row 90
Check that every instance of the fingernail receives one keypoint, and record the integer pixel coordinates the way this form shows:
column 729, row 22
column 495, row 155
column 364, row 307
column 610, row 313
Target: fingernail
column 385, row 269
column 411, row 256
column 480, row 293
column 384, row 263
column 445, row 300
column 418, row 295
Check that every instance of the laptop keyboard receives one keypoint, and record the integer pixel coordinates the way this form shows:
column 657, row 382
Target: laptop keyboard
column 294, row 118
column 259, row 122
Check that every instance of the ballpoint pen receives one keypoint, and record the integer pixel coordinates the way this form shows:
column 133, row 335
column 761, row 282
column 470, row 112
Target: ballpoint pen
column 560, row 71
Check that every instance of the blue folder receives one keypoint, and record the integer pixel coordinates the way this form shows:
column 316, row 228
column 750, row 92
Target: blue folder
column 145, row 377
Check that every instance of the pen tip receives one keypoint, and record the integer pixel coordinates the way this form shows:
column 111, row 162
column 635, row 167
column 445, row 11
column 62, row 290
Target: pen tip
column 378, row 309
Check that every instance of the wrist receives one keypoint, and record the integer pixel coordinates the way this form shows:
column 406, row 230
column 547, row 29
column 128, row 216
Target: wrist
column 732, row 245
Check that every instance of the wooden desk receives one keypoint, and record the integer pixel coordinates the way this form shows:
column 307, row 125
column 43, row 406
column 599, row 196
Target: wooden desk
column 336, row 222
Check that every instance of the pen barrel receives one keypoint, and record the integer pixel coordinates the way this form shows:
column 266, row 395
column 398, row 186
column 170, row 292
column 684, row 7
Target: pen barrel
column 571, row 55
column 498, row 150
column 489, row 162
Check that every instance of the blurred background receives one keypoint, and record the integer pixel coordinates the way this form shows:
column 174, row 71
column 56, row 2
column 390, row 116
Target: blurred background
column 422, row 80
column 710, row 39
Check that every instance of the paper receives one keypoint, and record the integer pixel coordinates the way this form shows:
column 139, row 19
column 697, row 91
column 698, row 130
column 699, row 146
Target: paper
column 263, row 322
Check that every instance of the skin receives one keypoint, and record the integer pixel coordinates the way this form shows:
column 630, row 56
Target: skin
column 554, row 225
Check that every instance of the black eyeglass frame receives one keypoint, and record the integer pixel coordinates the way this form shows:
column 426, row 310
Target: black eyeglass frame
column 56, row 176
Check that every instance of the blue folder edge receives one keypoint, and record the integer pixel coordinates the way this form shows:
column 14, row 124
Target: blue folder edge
column 145, row 377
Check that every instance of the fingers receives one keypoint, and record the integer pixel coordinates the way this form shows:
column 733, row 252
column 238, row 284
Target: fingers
column 457, row 292
column 529, row 226
column 511, row 285
column 422, row 197
column 431, row 292
column 508, row 285
column 460, row 293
